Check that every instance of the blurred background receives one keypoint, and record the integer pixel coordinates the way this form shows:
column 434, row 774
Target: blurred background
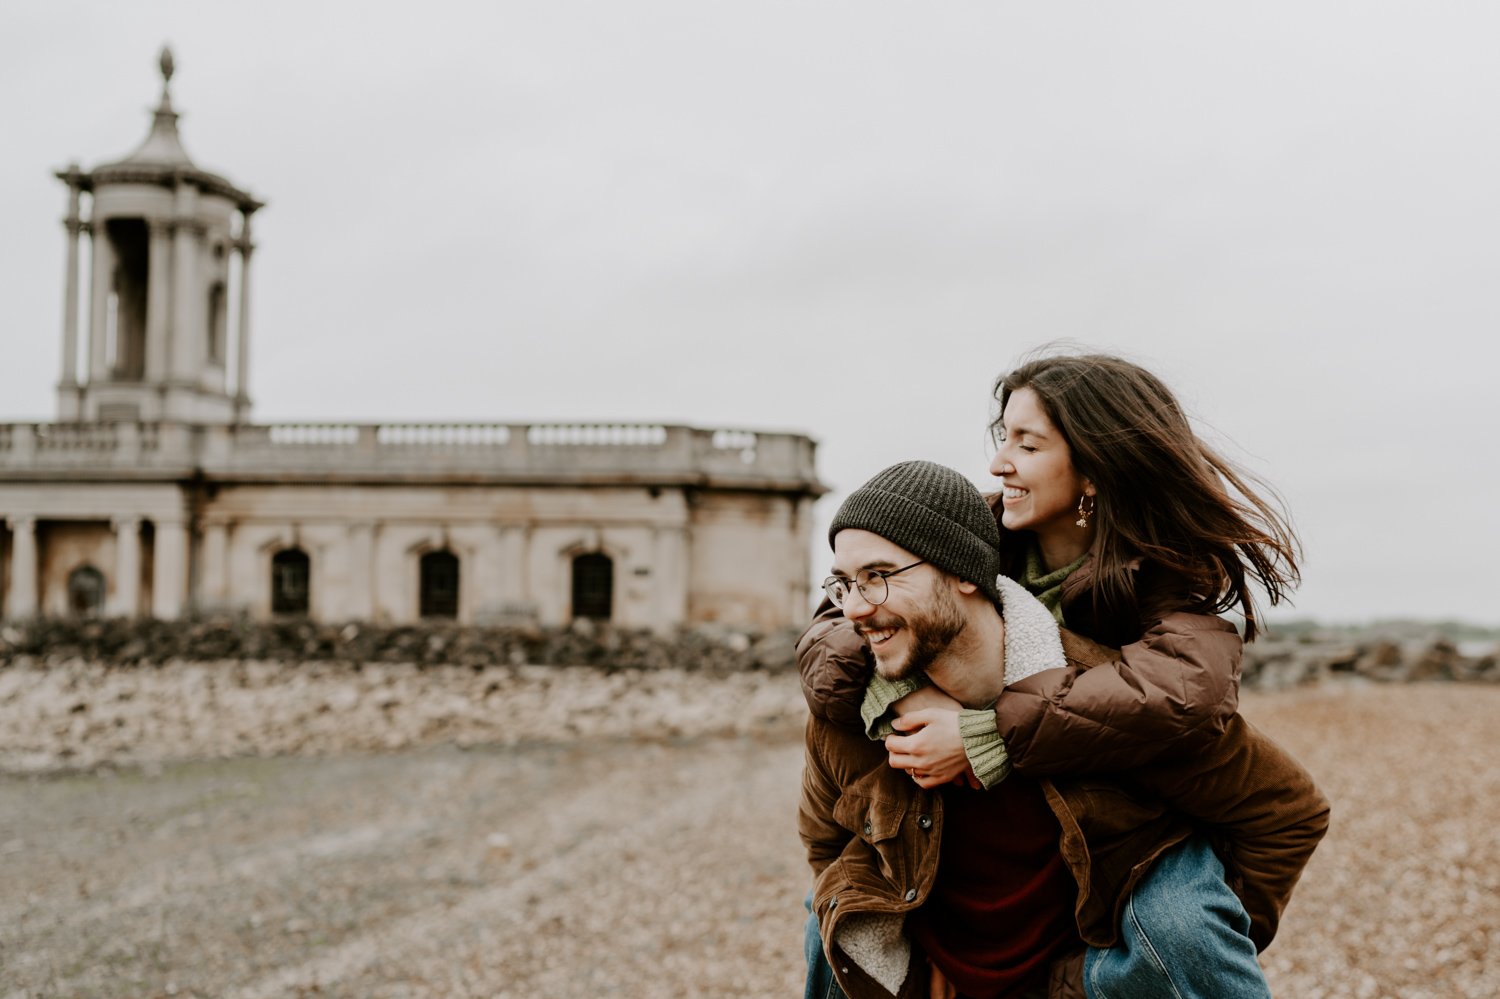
column 843, row 220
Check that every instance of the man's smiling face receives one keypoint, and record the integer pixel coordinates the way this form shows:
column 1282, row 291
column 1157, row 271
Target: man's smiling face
column 920, row 616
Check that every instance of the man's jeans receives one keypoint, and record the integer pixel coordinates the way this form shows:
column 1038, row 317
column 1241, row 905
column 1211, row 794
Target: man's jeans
column 820, row 982
column 1183, row 935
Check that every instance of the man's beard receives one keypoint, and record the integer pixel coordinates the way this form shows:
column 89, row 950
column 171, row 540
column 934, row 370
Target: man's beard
column 932, row 628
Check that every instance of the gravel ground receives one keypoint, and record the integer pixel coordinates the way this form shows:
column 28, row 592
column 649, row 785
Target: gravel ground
column 650, row 867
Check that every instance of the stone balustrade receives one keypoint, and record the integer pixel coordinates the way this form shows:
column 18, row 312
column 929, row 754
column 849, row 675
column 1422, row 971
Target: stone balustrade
column 562, row 452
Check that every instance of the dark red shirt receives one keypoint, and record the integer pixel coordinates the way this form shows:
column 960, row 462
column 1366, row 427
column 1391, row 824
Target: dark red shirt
column 1001, row 908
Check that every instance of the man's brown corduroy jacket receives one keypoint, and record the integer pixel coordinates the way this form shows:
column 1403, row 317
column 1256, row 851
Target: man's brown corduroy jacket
column 873, row 837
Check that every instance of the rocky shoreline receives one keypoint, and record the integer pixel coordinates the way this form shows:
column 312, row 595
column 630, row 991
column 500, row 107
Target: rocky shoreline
column 1287, row 658
column 78, row 695
column 78, row 714
column 1277, row 664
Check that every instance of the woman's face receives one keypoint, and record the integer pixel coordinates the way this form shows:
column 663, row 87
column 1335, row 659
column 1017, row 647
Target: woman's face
column 1035, row 468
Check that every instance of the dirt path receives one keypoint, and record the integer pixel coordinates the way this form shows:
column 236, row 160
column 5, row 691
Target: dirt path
column 539, row 871
column 647, row 869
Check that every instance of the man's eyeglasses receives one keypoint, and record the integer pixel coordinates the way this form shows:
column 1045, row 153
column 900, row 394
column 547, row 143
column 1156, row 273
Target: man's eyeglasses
column 872, row 585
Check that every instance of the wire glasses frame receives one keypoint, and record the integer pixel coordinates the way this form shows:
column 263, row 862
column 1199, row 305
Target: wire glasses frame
column 871, row 583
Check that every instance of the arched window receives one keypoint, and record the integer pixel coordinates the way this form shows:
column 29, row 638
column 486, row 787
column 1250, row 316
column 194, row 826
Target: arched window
column 130, row 239
column 86, row 591
column 291, row 572
column 218, row 322
column 439, row 573
column 593, row 586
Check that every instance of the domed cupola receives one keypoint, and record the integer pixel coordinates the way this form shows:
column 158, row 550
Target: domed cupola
column 164, row 235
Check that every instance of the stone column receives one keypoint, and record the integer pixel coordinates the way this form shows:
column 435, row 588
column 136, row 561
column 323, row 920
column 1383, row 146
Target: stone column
column 101, row 277
column 23, row 567
column 215, row 565
column 67, row 388
column 242, row 327
column 187, row 331
column 360, row 602
column 158, row 300
column 169, row 569
column 127, row 596
column 481, row 585
column 671, row 571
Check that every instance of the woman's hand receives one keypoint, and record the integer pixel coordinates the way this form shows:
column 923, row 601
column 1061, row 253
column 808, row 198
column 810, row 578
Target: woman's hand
column 931, row 750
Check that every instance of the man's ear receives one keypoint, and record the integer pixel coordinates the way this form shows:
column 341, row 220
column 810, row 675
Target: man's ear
column 966, row 587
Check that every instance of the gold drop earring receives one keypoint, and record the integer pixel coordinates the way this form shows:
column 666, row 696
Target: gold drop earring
column 1083, row 515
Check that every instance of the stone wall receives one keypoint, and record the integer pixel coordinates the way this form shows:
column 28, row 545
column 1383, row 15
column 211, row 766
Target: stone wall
column 122, row 642
column 1270, row 664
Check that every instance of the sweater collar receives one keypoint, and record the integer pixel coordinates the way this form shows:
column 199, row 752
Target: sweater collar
column 1047, row 586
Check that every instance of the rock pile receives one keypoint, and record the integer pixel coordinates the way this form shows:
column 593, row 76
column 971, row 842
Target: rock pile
column 80, row 714
column 80, row 693
column 1278, row 664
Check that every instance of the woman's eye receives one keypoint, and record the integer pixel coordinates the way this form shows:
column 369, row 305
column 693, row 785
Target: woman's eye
column 1029, row 448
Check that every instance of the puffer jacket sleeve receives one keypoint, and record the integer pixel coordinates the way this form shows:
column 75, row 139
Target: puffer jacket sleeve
column 1173, row 691
column 835, row 666
column 1260, row 806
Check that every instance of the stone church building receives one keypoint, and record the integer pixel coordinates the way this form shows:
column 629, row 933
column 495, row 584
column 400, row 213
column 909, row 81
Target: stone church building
column 152, row 493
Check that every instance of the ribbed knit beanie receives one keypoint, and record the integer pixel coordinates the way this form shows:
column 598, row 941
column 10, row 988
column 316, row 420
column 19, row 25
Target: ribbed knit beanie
column 934, row 513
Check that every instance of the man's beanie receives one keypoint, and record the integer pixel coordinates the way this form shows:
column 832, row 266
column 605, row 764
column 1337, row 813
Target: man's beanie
column 934, row 513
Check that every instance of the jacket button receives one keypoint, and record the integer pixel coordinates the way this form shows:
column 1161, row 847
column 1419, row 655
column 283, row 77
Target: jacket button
column 925, row 821
column 869, row 829
column 911, row 894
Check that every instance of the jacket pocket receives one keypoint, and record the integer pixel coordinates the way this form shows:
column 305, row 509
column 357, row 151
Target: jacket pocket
column 876, row 824
column 872, row 819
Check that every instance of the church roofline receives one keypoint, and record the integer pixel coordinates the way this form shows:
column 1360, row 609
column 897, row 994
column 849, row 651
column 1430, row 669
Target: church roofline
column 496, row 454
column 133, row 173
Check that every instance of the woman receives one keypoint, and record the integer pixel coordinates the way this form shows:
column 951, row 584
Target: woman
column 1117, row 517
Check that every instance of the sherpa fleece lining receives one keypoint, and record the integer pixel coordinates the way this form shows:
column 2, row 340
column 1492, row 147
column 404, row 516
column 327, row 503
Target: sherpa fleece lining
column 1032, row 641
column 875, row 942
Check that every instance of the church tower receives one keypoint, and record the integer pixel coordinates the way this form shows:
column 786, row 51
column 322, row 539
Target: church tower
column 166, row 240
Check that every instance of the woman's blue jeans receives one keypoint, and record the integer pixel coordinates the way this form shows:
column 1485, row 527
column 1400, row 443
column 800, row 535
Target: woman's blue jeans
column 1183, row 935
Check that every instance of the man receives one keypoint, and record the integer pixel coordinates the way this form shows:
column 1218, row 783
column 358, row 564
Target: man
column 1032, row 870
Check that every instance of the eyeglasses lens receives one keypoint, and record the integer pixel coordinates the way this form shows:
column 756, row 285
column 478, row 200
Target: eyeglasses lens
column 872, row 586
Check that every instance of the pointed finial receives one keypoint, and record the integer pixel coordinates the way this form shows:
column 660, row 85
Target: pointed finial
column 166, row 65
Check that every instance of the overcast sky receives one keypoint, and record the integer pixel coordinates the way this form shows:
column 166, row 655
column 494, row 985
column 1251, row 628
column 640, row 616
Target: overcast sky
column 843, row 219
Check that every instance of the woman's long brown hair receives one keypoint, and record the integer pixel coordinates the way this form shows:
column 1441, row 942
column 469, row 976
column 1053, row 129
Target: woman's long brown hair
column 1163, row 494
